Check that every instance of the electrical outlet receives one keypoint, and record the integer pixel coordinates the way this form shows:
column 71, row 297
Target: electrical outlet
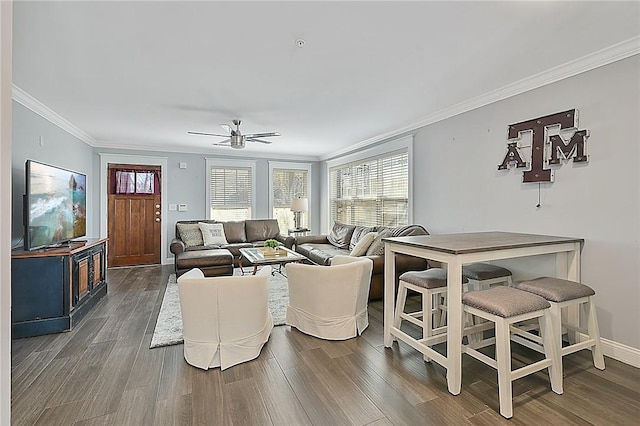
column 182, row 207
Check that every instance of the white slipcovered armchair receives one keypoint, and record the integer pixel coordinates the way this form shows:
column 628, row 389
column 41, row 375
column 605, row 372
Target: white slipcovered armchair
column 330, row 302
column 226, row 320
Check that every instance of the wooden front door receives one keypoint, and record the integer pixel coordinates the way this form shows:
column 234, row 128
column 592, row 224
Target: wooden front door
column 134, row 224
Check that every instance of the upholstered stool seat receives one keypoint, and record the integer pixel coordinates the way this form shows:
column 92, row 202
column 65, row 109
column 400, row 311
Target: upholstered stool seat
column 212, row 262
column 504, row 301
column 429, row 278
column 483, row 275
column 562, row 294
column 556, row 289
column 505, row 306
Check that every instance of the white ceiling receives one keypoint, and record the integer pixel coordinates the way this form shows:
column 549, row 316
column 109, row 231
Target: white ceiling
column 142, row 74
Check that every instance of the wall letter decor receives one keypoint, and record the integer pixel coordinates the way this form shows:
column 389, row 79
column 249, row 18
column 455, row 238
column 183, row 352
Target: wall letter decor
column 545, row 147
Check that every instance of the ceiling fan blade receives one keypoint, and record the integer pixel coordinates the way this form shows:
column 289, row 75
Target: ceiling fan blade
column 262, row 135
column 256, row 140
column 224, row 142
column 226, row 127
column 208, row 134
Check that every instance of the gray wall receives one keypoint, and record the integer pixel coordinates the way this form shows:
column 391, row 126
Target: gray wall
column 457, row 187
column 188, row 186
column 59, row 148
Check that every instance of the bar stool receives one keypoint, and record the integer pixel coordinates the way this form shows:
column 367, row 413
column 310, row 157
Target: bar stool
column 505, row 306
column 431, row 318
column 481, row 276
column 561, row 294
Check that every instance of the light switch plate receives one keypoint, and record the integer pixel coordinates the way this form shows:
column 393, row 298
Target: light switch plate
column 183, row 165
column 182, row 207
column 173, row 207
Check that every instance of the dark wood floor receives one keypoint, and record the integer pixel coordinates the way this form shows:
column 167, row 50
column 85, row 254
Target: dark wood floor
column 103, row 373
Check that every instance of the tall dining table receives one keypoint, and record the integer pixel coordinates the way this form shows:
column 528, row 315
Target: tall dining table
column 455, row 250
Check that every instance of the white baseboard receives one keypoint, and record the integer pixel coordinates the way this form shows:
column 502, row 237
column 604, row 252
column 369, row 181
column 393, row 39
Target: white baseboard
column 618, row 351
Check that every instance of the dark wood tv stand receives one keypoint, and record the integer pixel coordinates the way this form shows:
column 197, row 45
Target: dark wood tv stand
column 53, row 289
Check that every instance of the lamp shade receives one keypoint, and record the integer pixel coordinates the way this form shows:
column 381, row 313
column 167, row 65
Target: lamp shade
column 299, row 205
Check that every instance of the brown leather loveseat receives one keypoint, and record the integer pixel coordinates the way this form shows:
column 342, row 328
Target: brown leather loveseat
column 215, row 259
column 343, row 239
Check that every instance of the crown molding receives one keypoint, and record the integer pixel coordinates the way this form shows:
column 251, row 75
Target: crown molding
column 47, row 113
column 608, row 55
column 222, row 151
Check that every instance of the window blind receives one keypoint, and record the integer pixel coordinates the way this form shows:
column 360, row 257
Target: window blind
column 231, row 193
column 288, row 184
column 373, row 191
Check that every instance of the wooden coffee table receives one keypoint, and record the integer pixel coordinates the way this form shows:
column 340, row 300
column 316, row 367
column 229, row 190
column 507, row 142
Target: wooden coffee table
column 257, row 257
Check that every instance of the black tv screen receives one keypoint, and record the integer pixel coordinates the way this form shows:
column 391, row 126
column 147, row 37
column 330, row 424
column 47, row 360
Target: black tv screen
column 55, row 205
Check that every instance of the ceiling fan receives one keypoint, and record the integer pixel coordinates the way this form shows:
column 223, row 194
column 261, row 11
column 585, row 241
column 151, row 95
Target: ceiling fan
column 235, row 139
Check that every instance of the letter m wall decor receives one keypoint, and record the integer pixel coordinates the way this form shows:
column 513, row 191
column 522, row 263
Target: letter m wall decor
column 552, row 136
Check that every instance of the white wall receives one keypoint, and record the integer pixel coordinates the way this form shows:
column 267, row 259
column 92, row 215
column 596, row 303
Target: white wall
column 455, row 163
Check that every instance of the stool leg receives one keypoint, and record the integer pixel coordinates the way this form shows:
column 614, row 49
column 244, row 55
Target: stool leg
column 594, row 333
column 555, row 313
column 503, row 360
column 571, row 315
column 551, row 351
column 469, row 319
column 436, row 299
column 400, row 302
column 443, row 309
column 427, row 317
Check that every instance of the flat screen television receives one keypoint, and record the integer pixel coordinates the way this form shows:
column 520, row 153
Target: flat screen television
column 55, row 207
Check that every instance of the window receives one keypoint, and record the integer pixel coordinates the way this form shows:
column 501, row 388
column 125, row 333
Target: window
column 288, row 181
column 371, row 191
column 230, row 189
column 134, row 182
column 133, row 179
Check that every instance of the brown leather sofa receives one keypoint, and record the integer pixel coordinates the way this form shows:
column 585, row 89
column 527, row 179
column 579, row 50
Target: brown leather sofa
column 343, row 238
column 215, row 259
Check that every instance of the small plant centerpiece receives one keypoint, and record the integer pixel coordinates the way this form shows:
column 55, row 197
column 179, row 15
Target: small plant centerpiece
column 271, row 246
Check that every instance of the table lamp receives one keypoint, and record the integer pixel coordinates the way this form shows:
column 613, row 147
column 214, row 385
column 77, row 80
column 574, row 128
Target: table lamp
column 299, row 205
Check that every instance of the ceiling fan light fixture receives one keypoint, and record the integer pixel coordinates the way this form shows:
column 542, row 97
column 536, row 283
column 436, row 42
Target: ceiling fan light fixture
column 237, row 141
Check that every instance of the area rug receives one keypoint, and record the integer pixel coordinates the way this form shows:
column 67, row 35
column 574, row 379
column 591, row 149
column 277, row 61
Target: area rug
column 168, row 329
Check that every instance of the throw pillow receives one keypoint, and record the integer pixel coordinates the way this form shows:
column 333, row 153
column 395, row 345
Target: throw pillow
column 190, row 234
column 377, row 246
column 340, row 235
column 213, row 234
column 360, row 249
column 359, row 232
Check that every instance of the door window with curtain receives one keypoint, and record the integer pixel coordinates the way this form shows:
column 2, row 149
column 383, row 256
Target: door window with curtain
column 288, row 181
column 371, row 192
column 134, row 181
column 230, row 189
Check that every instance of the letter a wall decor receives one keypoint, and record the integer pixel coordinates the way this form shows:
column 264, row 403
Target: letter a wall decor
column 552, row 136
